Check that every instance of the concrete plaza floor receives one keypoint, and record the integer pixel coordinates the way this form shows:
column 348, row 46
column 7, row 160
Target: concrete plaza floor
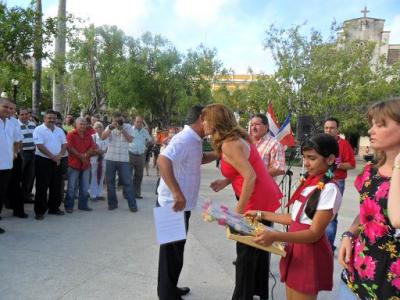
column 113, row 254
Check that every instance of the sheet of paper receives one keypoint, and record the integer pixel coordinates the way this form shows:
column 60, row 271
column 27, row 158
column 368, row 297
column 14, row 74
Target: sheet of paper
column 170, row 225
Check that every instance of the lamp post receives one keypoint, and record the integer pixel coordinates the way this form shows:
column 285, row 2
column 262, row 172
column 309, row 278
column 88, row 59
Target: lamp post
column 15, row 83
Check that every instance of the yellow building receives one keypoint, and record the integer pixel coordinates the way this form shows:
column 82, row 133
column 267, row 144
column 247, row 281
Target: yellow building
column 233, row 81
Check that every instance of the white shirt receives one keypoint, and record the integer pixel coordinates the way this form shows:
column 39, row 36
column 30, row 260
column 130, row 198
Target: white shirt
column 185, row 152
column 7, row 139
column 118, row 147
column 18, row 137
column 140, row 138
column 51, row 139
column 101, row 144
column 330, row 198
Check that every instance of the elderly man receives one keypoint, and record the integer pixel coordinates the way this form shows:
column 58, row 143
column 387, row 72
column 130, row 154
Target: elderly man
column 137, row 155
column 8, row 149
column 28, row 154
column 51, row 145
column 345, row 161
column 270, row 150
column 80, row 147
column 120, row 135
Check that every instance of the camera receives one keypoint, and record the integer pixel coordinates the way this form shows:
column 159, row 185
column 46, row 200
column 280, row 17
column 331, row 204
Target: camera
column 120, row 122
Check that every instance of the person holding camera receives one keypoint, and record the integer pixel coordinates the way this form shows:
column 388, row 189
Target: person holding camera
column 120, row 135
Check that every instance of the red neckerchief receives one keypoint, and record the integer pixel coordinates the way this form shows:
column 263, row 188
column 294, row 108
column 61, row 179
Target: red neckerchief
column 310, row 181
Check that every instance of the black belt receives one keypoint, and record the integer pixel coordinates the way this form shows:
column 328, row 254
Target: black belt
column 31, row 151
column 135, row 154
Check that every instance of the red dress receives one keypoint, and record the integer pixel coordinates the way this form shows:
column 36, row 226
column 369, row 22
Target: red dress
column 307, row 268
column 266, row 193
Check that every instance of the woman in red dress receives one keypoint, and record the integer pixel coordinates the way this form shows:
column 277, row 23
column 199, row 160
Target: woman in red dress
column 243, row 167
column 308, row 265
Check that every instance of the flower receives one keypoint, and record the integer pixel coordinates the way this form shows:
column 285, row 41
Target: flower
column 372, row 220
column 395, row 273
column 320, row 185
column 382, row 191
column 359, row 182
column 365, row 267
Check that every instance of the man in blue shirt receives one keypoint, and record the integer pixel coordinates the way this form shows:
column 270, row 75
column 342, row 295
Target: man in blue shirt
column 137, row 149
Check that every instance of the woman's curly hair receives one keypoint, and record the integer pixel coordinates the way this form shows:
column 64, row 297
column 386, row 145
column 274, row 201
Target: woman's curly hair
column 223, row 125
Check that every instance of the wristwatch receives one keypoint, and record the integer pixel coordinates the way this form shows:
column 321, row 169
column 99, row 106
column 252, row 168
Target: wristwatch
column 349, row 235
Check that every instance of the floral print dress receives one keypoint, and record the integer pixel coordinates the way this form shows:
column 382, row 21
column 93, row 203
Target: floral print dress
column 375, row 268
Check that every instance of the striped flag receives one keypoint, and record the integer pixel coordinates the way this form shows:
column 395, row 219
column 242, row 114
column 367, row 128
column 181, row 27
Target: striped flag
column 272, row 120
column 285, row 135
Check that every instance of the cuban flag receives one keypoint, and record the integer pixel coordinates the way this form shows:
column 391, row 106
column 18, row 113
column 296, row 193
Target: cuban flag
column 285, row 135
column 273, row 121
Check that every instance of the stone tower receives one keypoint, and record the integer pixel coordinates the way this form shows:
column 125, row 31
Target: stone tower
column 371, row 29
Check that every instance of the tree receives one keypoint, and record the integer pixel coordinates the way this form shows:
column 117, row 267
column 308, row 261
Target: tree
column 37, row 58
column 59, row 57
column 323, row 78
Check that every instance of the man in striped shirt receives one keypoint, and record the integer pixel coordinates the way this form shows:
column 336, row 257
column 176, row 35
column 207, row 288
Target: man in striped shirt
column 270, row 150
column 28, row 154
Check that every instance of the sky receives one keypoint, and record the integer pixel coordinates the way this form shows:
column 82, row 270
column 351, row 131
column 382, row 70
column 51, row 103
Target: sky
column 236, row 28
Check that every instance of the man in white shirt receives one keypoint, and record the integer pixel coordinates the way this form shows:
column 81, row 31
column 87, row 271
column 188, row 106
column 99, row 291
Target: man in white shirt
column 120, row 135
column 7, row 149
column 137, row 149
column 51, row 145
column 179, row 188
column 14, row 193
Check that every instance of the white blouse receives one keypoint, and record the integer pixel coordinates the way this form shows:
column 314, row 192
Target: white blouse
column 330, row 198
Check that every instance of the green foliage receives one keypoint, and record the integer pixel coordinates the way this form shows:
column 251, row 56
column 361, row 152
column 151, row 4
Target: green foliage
column 147, row 75
column 326, row 78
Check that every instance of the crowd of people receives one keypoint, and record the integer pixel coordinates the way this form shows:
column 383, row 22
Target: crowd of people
column 63, row 160
column 88, row 153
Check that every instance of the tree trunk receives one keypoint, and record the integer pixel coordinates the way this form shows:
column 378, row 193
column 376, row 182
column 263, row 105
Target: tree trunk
column 59, row 57
column 37, row 57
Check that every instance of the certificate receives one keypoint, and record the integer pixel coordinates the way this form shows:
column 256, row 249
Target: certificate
column 170, row 225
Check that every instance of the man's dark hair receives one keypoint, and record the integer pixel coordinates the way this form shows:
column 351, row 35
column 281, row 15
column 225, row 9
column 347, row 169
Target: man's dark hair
column 51, row 112
column 264, row 118
column 21, row 109
column 332, row 119
column 193, row 114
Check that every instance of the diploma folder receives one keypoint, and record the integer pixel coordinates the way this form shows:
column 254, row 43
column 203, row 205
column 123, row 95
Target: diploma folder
column 276, row 247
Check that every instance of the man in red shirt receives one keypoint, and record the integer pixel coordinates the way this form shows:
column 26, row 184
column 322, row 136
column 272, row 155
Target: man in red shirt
column 345, row 161
column 80, row 147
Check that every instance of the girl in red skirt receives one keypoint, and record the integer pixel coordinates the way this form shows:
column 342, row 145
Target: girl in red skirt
column 308, row 265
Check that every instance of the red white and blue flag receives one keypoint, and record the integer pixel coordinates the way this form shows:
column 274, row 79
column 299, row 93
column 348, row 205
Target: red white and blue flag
column 272, row 120
column 285, row 135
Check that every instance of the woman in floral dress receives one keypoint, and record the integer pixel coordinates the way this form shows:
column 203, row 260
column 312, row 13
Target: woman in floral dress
column 370, row 250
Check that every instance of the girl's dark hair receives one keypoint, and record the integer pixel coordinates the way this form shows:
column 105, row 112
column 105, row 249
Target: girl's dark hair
column 325, row 145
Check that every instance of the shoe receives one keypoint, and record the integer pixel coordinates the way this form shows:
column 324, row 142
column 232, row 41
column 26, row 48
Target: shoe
column 93, row 199
column 2, row 230
column 39, row 217
column 112, row 207
column 138, row 197
column 0, row 217
column 20, row 215
column 69, row 210
column 182, row 291
column 57, row 213
column 85, row 209
column 133, row 209
column 29, row 200
column 100, row 198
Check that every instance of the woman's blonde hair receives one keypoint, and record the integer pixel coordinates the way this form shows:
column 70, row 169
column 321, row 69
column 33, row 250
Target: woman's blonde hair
column 378, row 112
column 223, row 125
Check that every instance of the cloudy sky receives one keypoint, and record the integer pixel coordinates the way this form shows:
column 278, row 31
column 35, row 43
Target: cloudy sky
column 236, row 28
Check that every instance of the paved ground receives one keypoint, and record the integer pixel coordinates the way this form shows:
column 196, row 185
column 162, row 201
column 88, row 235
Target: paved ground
column 113, row 254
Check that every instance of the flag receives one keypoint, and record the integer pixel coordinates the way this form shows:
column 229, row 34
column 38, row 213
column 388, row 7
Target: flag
column 285, row 135
column 272, row 120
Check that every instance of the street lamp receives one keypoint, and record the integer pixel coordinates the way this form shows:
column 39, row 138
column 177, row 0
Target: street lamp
column 15, row 83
